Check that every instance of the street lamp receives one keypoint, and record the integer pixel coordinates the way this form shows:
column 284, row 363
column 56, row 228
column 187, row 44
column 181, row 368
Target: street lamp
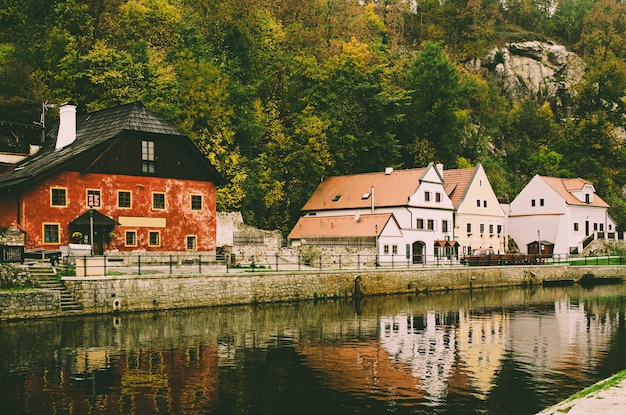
column 91, row 227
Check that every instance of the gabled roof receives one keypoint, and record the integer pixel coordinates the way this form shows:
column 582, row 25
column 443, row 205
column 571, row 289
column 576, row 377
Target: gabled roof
column 93, row 217
column 565, row 187
column 456, row 183
column 340, row 226
column 347, row 192
column 92, row 131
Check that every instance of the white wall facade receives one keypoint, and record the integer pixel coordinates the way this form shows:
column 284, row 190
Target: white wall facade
column 479, row 219
column 539, row 212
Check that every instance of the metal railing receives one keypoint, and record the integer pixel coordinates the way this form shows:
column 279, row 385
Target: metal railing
column 172, row 264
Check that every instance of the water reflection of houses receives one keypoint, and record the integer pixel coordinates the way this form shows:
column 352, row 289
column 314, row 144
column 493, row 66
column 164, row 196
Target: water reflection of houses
column 584, row 329
column 482, row 344
column 427, row 344
column 104, row 380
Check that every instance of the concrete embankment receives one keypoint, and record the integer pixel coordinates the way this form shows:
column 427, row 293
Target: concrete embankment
column 111, row 294
column 604, row 398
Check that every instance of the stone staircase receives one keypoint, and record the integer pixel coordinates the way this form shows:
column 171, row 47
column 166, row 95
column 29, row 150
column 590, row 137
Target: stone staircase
column 45, row 277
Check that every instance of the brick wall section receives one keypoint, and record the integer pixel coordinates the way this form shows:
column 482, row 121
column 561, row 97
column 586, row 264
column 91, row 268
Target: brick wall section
column 135, row 293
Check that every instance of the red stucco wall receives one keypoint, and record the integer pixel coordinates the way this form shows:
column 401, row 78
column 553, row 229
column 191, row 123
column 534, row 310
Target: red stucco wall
column 180, row 220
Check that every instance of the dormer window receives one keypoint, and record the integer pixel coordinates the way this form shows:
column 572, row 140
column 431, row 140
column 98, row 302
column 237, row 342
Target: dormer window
column 336, row 198
column 147, row 157
column 587, row 198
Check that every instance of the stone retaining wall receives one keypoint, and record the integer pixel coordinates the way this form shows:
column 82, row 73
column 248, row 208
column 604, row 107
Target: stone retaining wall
column 157, row 292
column 29, row 304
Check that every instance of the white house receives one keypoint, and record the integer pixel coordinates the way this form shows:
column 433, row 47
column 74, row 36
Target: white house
column 479, row 221
column 559, row 216
column 415, row 198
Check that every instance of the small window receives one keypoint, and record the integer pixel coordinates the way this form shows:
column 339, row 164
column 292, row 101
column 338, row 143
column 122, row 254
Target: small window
column 58, row 197
column 601, row 227
column 484, row 203
column 427, row 196
column 147, row 157
column 482, row 228
column 93, row 198
column 438, row 197
column 419, row 224
column 50, row 233
column 499, row 229
column 595, row 227
column 192, row 243
column 541, row 202
column 386, row 249
column 394, row 249
column 130, row 238
column 154, row 238
column 491, row 229
column 124, row 199
column 431, row 225
column 532, row 203
column 587, row 198
column 477, row 203
column 444, row 226
column 575, row 226
column 158, row 200
column 469, row 227
column 196, row 202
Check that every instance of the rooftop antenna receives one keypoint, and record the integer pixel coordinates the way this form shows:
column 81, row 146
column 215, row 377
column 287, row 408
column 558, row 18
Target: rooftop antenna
column 42, row 119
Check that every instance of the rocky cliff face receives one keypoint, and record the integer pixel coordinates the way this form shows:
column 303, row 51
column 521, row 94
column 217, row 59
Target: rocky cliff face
column 534, row 70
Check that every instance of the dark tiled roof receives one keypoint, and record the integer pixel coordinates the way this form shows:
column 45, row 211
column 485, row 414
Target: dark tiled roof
column 91, row 130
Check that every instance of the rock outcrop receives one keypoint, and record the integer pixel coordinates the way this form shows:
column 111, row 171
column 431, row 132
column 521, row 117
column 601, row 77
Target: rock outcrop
column 534, row 70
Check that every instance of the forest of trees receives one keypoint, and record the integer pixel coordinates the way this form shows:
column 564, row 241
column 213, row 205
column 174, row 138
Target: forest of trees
column 281, row 93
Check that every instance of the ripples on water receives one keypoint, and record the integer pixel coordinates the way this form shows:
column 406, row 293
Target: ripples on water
column 485, row 352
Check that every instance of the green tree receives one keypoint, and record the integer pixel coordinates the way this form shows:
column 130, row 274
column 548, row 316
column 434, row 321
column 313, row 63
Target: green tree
column 438, row 99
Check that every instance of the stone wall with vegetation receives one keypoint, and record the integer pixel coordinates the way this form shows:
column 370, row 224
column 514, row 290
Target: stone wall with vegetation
column 15, row 276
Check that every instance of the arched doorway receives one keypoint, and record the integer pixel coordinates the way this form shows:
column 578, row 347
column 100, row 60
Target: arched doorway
column 419, row 248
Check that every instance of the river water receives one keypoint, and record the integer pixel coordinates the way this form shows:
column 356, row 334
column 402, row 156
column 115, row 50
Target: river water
column 513, row 351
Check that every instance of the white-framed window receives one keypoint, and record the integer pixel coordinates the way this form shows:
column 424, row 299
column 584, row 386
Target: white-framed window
column 148, row 157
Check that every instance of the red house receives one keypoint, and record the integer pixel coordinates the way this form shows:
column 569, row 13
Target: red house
column 119, row 179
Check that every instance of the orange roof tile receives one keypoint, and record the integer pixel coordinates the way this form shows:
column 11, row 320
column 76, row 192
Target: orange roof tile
column 346, row 192
column 456, row 182
column 344, row 226
column 564, row 187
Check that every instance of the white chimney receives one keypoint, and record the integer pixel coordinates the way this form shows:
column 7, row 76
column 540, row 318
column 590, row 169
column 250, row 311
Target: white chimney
column 440, row 168
column 388, row 170
column 67, row 126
